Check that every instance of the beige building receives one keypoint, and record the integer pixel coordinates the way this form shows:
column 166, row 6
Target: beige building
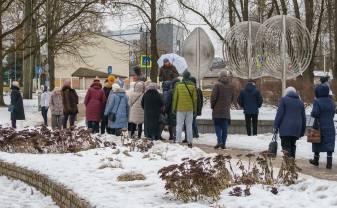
column 95, row 58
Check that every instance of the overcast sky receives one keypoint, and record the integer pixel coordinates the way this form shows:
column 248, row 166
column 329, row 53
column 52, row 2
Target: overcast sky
column 131, row 22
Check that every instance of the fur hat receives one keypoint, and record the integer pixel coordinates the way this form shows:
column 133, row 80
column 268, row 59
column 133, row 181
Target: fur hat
column 111, row 78
column 15, row 84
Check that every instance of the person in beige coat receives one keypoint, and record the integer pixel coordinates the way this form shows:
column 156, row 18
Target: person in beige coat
column 136, row 115
column 56, row 109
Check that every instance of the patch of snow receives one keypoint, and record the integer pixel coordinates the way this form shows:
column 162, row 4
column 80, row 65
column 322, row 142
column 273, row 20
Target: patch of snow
column 83, row 173
column 15, row 193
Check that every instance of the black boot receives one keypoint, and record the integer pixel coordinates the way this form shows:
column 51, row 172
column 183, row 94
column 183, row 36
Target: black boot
column 329, row 162
column 314, row 161
column 223, row 146
column 217, row 146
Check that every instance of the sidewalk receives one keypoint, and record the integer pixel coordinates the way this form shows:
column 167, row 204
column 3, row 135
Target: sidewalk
column 307, row 169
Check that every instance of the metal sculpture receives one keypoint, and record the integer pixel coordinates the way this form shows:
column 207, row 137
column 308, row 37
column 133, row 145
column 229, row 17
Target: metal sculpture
column 198, row 52
column 239, row 50
column 285, row 45
column 281, row 47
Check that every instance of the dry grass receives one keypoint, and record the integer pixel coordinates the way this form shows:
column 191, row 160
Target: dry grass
column 131, row 176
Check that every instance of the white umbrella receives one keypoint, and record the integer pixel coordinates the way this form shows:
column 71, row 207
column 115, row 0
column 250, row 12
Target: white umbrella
column 176, row 60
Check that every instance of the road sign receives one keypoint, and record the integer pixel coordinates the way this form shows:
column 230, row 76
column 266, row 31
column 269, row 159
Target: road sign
column 109, row 69
column 145, row 61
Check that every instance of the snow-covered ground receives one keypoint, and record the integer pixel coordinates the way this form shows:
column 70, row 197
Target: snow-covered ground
column 16, row 194
column 82, row 172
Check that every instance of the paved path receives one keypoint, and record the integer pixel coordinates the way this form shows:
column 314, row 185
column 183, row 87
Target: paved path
column 318, row 172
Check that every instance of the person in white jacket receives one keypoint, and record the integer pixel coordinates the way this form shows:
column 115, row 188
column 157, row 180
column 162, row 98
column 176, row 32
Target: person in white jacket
column 45, row 98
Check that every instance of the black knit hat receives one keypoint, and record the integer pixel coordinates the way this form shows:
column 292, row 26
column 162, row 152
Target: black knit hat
column 324, row 79
column 186, row 75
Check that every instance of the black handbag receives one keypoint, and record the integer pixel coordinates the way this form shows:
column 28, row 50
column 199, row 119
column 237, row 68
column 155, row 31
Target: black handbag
column 273, row 145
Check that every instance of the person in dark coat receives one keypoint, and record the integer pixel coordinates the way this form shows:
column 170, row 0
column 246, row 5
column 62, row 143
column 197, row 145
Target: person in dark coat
column 152, row 104
column 324, row 111
column 95, row 104
column 70, row 101
column 290, row 121
column 221, row 99
column 167, row 97
column 107, row 89
column 167, row 72
column 16, row 106
column 200, row 103
column 250, row 100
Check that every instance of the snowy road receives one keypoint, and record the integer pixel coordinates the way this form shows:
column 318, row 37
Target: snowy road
column 16, row 194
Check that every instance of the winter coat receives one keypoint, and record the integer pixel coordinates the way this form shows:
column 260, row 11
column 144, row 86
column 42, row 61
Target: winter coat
column 290, row 118
column 250, row 99
column 167, row 95
column 56, row 105
column 94, row 102
column 184, row 98
column 69, row 100
column 118, row 104
column 168, row 73
column 18, row 112
column 152, row 104
column 136, row 115
column 324, row 111
column 45, row 99
column 221, row 98
column 200, row 101
column 107, row 89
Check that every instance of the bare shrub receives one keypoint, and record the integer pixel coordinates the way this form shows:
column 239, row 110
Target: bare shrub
column 206, row 178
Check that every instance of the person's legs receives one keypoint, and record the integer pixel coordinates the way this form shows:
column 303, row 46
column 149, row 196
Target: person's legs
column 140, row 130
column 90, row 126
column 72, row 118
column 104, row 124
column 195, row 128
column 54, row 121
column 189, row 127
column 65, row 120
column 224, row 132
column 286, row 147
column 293, row 147
column 248, row 124
column 254, row 121
column 329, row 160
column 14, row 123
column 218, row 131
column 44, row 111
column 180, row 124
column 96, row 127
column 315, row 161
column 132, row 129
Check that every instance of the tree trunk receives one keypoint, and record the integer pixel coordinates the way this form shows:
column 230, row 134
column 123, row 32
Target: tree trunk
column 231, row 13
column 296, row 9
column 2, row 103
column 335, row 54
column 284, row 7
column 153, row 36
column 27, row 55
column 51, row 64
column 245, row 11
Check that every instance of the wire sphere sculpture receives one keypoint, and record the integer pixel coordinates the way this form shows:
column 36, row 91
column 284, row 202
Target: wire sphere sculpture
column 238, row 50
column 269, row 47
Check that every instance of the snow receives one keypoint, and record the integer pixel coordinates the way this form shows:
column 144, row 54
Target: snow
column 82, row 173
column 15, row 194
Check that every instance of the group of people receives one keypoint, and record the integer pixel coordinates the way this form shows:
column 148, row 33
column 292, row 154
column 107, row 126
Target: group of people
column 291, row 122
column 61, row 102
column 145, row 109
